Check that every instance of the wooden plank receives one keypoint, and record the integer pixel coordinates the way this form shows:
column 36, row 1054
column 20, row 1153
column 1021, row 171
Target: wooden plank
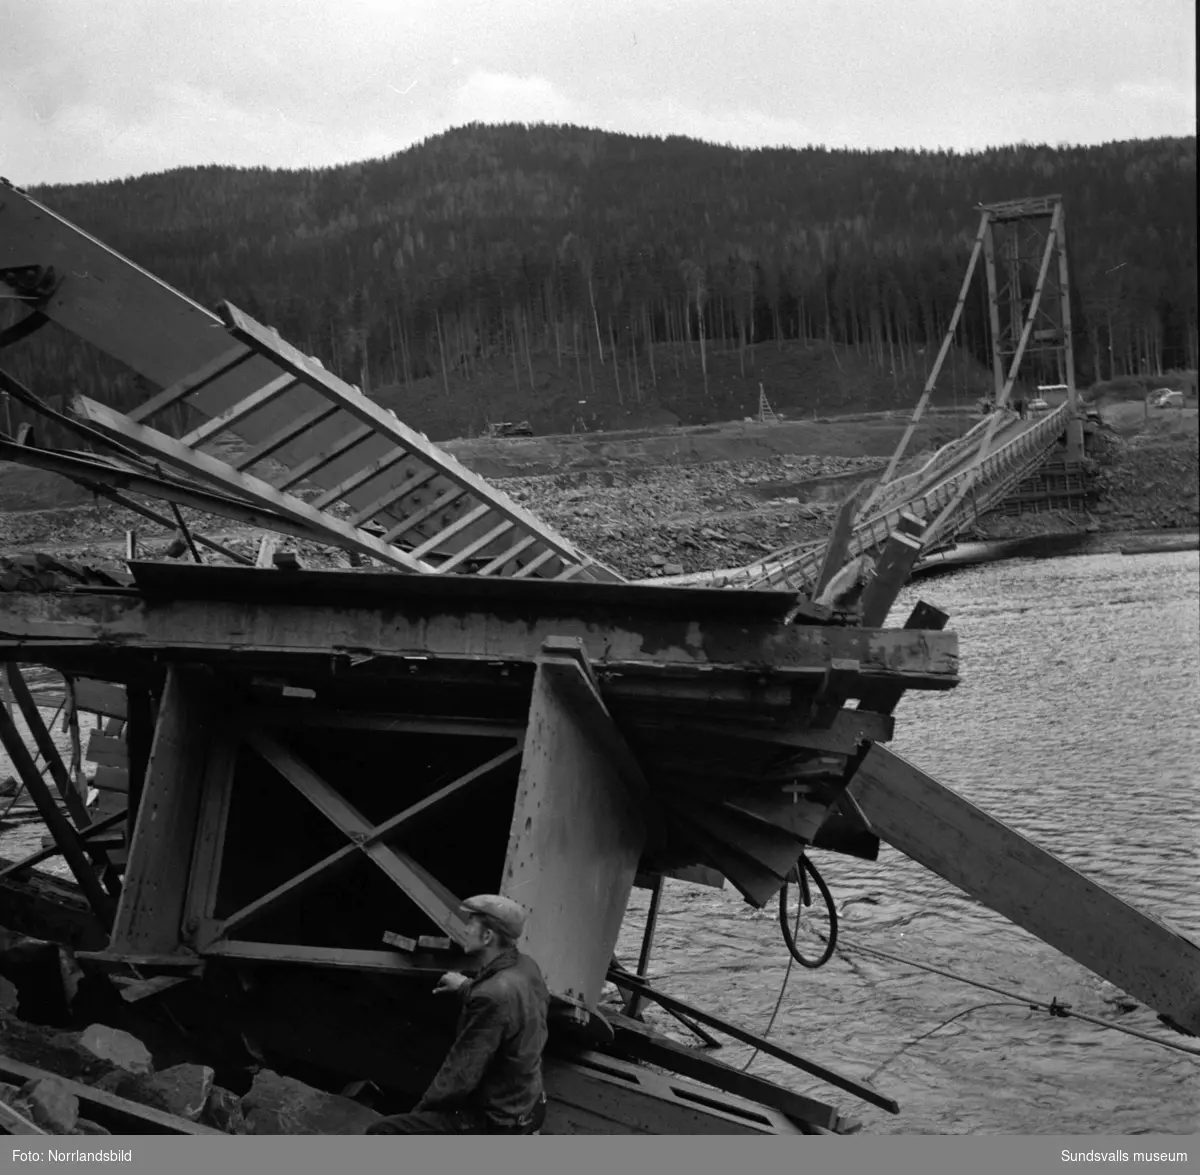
column 636, row 1040
column 596, row 1094
column 182, row 388
column 106, row 751
column 883, row 697
column 757, row 884
column 150, row 914
column 218, row 472
column 111, row 779
column 799, row 817
column 839, row 541
column 576, row 837
column 100, row 697
column 1015, row 877
column 226, row 420
column 895, row 564
column 430, row 895
column 859, row 1089
column 773, row 849
column 116, row 1114
column 267, row 546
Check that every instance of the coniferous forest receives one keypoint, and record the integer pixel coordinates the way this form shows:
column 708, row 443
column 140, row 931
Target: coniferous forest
column 490, row 252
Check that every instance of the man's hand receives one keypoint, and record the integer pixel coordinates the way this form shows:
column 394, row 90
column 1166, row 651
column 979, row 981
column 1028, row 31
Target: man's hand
column 450, row 982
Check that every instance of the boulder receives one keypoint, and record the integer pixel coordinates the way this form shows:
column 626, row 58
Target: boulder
column 51, row 1105
column 223, row 1111
column 9, row 997
column 283, row 1105
column 49, row 1048
column 117, row 1048
column 181, row 1090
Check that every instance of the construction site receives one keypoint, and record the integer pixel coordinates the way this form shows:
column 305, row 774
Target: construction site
column 284, row 773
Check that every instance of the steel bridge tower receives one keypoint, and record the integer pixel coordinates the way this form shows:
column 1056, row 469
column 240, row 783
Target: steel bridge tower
column 1029, row 297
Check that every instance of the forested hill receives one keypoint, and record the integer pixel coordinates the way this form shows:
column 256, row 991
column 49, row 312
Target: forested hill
column 498, row 253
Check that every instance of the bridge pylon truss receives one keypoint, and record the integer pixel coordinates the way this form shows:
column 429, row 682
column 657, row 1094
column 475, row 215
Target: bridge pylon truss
column 1023, row 245
column 1025, row 249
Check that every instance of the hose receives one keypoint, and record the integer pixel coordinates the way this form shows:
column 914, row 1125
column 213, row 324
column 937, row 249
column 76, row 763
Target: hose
column 797, row 875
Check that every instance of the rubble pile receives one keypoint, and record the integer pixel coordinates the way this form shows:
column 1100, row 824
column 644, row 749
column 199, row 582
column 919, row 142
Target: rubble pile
column 669, row 520
column 114, row 1061
column 39, row 572
column 1150, row 484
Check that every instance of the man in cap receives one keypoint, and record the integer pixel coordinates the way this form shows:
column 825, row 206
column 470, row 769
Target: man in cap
column 491, row 1080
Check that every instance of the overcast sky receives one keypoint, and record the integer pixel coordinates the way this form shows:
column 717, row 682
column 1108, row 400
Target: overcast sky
column 99, row 89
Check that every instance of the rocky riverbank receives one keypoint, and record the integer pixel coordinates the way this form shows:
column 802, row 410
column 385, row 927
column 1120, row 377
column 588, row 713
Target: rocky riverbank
column 1147, row 482
column 647, row 513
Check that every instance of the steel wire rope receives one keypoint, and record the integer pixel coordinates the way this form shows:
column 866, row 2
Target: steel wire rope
column 1054, row 1007
column 937, row 1028
column 1012, row 999
column 789, row 935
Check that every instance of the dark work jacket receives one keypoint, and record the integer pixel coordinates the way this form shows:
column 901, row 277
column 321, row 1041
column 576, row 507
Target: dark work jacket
column 495, row 1063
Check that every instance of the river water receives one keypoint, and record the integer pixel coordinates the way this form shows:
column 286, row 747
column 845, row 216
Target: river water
column 1075, row 723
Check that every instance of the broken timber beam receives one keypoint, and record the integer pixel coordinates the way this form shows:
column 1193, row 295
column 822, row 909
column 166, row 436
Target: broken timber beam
column 634, row 1039
column 935, row 826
